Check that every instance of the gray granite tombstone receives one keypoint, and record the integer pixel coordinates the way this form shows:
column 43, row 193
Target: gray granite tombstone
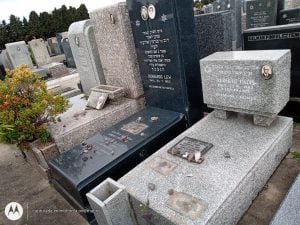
column 254, row 82
column 213, row 33
column 116, row 48
column 19, row 54
column 288, row 212
column 6, row 60
column 261, row 13
column 235, row 7
column 68, row 53
column 211, row 173
column 54, row 47
column 289, row 16
column 40, row 52
column 86, row 55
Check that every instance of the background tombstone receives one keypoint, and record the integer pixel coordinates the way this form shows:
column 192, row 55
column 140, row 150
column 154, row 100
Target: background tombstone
column 235, row 7
column 68, row 53
column 5, row 60
column 289, row 16
column 213, row 33
column 280, row 37
column 19, row 54
column 86, row 55
column 59, row 38
column 40, row 52
column 117, row 53
column 54, row 47
column 261, row 13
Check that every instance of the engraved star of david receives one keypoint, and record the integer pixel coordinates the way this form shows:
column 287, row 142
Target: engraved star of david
column 137, row 23
column 164, row 18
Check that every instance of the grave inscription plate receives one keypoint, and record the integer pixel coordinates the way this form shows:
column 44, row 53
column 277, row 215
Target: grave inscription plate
column 191, row 149
column 261, row 13
column 165, row 43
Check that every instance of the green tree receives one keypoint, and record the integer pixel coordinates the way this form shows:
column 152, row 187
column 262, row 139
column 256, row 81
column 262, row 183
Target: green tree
column 47, row 25
column 82, row 13
column 34, row 27
column 15, row 29
column 4, row 38
column 25, row 30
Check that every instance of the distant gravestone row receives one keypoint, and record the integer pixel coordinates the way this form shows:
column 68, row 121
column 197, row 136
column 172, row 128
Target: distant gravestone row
column 263, row 13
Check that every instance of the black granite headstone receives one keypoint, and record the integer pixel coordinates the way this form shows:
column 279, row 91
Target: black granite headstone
column 280, row 6
column 165, row 42
column 289, row 16
column 279, row 37
column 261, row 13
column 68, row 53
column 59, row 38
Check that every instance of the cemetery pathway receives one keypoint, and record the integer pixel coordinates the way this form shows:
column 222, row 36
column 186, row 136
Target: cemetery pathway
column 21, row 183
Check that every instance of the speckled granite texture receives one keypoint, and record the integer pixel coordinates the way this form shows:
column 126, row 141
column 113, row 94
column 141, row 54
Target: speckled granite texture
column 233, row 81
column 288, row 212
column 110, row 201
column 77, row 125
column 241, row 161
column 86, row 54
column 234, row 6
column 40, row 52
column 213, row 32
column 291, row 4
column 56, row 70
column 116, row 47
column 18, row 54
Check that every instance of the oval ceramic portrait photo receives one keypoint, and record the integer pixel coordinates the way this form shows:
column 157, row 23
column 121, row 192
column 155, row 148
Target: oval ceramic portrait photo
column 151, row 11
column 144, row 13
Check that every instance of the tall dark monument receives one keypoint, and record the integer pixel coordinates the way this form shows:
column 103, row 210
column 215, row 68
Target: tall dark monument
column 165, row 43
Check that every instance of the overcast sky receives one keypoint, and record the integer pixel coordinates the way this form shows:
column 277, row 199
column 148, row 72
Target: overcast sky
column 22, row 8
